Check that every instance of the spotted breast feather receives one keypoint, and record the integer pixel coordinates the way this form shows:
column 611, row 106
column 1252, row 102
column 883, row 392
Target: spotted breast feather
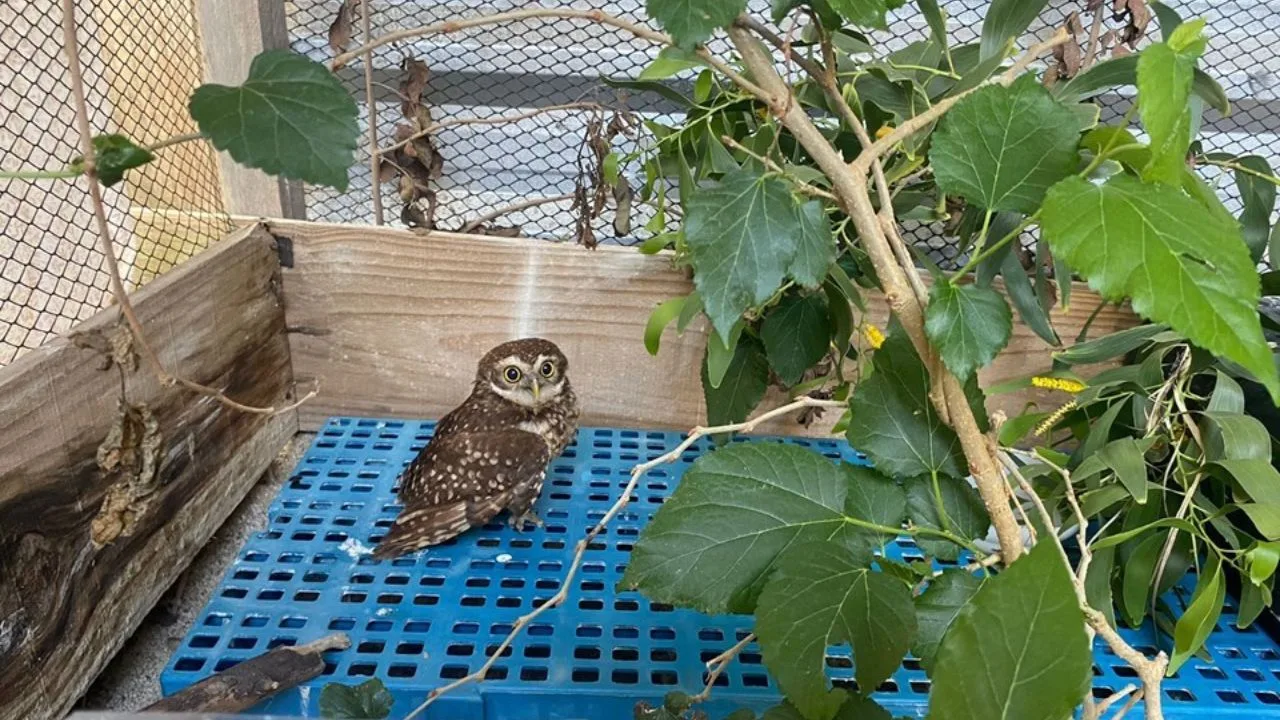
column 462, row 480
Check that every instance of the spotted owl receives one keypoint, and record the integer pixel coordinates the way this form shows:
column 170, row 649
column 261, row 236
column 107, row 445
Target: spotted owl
column 490, row 453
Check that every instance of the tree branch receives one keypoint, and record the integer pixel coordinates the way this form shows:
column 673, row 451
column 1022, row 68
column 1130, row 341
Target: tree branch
column 624, row 499
column 717, row 665
column 71, row 46
column 375, row 158
column 849, row 182
column 471, row 225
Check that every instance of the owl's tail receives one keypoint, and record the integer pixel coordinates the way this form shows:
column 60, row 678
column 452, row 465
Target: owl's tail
column 417, row 529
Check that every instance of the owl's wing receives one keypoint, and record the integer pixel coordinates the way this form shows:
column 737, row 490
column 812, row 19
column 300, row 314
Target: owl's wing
column 459, row 481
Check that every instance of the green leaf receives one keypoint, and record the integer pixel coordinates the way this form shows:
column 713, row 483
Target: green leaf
column 1109, row 346
column 743, row 234
column 658, row 321
column 691, row 22
column 856, row 707
column 1164, row 90
column 1109, row 139
column 1119, row 538
column 652, row 86
column 1228, row 396
column 1266, row 516
column 893, row 421
column 1253, row 600
column 1018, row 649
column 1121, row 71
column 968, row 324
column 1202, row 614
column 703, row 85
column 796, row 335
column 692, row 306
column 937, row 606
column 1006, row 20
column 815, row 246
column 1262, row 559
column 291, row 117
column 1259, row 198
column 610, row 169
column 1168, row 18
column 965, row 515
column 745, row 380
column 937, row 21
column 1002, row 148
column 1232, row 436
column 710, row 546
column 114, row 154
column 820, row 595
column 670, row 60
column 720, row 353
column 1018, row 285
column 1097, row 584
column 369, row 700
column 1179, row 263
column 1126, row 458
column 1138, row 570
column 867, row 13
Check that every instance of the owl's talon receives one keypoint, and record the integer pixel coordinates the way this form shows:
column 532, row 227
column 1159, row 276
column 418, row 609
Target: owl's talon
column 517, row 522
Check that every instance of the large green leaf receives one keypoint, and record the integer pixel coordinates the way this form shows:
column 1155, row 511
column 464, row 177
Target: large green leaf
column 867, row 13
column 823, row 594
column 1002, row 147
column 745, row 380
column 968, row 325
column 815, row 246
column 1018, row 650
column 1180, row 264
column 713, row 542
column 857, row 707
column 1005, row 21
column 1201, row 616
column 691, row 22
column 1121, row 71
column 291, row 117
column 743, row 234
column 893, row 421
column 965, row 515
column 1109, row 346
column 1165, row 74
column 796, row 334
column 369, row 700
column 937, row 606
column 1259, row 198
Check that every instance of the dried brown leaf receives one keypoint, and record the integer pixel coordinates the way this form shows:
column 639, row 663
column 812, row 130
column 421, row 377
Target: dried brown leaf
column 622, row 196
column 340, row 30
column 411, row 87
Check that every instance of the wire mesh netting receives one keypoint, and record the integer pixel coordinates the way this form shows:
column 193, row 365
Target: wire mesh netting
column 140, row 60
column 510, row 69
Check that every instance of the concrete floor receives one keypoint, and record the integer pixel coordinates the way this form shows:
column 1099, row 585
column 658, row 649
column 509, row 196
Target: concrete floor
column 132, row 680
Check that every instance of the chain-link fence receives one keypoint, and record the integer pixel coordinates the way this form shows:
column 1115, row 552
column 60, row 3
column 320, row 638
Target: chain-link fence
column 141, row 59
column 510, row 69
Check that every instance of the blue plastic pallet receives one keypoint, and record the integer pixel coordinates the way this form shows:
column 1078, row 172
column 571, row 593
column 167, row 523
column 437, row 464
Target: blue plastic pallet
column 422, row 620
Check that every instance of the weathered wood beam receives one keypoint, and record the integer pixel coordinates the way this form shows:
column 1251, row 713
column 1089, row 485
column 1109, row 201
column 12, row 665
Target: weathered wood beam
column 99, row 516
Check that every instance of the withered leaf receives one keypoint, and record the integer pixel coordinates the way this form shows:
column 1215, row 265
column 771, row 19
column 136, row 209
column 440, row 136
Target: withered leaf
column 340, row 30
column 622, row 195
column 411, row 87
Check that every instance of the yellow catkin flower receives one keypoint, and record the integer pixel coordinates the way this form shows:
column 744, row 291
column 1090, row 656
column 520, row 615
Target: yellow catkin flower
column 1053, row 419
column 874, row 337
column 883, row 131
column 1053, row 383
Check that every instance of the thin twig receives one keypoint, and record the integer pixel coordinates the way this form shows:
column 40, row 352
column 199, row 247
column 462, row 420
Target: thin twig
column 502, row 119
column 1274, row 180
column 1150, row 670
column 596, row 16
column 717, row 665
column 1100, row 709
column 581, row 548
column 176, row 140
column 1128, row 705
column 375, row 157
column 71, row 46
column 768, row 162
column 1095, row 32
column 515, row 207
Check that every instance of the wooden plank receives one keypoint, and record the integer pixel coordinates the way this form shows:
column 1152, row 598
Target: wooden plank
column 393, row 322
column 232, row 33
column 87, row 545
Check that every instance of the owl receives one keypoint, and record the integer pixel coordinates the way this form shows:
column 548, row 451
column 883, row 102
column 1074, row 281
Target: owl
column 490, row 453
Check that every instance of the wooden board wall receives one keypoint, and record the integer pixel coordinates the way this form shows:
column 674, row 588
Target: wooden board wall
column 392, row 323
column 67, row 603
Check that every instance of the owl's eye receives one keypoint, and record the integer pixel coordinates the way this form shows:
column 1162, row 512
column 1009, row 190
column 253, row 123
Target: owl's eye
column 511, row 374
column 547, row 369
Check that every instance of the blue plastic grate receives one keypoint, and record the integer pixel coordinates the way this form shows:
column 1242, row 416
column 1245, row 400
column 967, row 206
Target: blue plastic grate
column 422, row 620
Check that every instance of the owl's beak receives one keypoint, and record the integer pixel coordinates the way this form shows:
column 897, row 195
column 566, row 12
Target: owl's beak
column 536, row 391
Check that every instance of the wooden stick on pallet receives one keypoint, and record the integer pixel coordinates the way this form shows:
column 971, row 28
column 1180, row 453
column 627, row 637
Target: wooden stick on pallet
column 252, row 681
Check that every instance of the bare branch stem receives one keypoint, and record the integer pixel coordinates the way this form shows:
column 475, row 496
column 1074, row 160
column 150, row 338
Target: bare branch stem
column 580, row 549
column 471, row 225
column 717, row 665
column 375, row 157
column 437, row 127
column 801, row 185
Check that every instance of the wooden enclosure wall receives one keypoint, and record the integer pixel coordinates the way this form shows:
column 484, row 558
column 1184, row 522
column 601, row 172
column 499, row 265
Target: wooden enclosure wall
column 392, row 323
column 95, row 525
